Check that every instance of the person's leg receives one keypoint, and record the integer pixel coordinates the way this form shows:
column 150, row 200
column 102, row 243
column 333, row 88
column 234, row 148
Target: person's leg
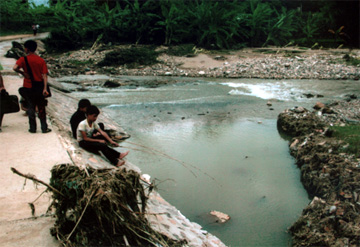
column 1, row 118
column 89, row 146
column 27, row 95
column 41, row 104
column 111, row 154
column 94, row 147
column 32, row 116
column 122, row 155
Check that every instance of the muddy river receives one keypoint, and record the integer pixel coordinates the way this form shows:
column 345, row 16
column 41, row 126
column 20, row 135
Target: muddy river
column 213, row 144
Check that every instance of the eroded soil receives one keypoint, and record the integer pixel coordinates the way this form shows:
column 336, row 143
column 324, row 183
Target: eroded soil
column 328, row 173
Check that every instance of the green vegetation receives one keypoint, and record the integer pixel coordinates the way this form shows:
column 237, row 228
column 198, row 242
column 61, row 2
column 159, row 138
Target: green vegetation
column 351, row 60
column 208, row 24
column 132, row 57
column 181, row 50
column 351, row 135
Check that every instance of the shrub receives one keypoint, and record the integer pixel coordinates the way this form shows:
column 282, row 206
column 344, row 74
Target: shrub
column 132, row 57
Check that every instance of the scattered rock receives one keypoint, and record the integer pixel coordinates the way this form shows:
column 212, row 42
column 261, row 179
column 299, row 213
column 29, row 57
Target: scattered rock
column 299, row 109
column 222, row 58
column 111, row 84
column 327, row 110
column 221, row 217
column 309, row 95
column 319, row 106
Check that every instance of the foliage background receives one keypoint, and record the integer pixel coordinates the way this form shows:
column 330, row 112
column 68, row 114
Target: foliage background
column 205, row 23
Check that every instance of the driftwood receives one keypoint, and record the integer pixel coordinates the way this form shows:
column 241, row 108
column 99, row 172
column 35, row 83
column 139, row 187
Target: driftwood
column 33, row 178
column 102, row 208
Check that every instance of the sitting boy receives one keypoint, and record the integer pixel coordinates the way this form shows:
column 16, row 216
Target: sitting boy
column 86, row 140
column 79, row 115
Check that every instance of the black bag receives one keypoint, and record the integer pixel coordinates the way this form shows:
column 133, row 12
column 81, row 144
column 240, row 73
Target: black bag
column 37, row 86
column 8, row 103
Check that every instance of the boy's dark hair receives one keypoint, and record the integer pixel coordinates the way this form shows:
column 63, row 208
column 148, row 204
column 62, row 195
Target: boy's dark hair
column 84, row 103
column 92, row 110
column 31, row 45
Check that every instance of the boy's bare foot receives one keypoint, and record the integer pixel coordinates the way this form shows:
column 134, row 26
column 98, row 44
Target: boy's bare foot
column 120, row 163
column 122, row 155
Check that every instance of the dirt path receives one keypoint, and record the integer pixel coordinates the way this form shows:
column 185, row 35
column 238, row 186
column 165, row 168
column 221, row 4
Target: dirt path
column 21, row 36
column 28, row 153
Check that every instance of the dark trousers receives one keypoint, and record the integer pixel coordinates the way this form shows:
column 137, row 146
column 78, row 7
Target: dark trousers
column 111, row 154
column 35, row 100
column 1, row 118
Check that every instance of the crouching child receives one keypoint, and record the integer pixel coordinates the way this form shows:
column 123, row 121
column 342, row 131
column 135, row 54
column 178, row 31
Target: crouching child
column 85, row 138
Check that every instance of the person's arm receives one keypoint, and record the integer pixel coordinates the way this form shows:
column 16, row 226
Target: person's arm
column 88, row 139
column 2, row 86
column 19, row 70
column 45, row 79
column 103, row 133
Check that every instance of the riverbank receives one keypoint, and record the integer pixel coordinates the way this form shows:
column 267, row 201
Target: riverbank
column 329, row 173
column 41, row 153
column 263, row 63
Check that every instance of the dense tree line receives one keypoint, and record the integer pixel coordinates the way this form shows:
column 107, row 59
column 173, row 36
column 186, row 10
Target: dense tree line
column 204, row 23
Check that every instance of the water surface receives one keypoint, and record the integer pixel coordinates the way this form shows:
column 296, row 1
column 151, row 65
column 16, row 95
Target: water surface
column 213, row 144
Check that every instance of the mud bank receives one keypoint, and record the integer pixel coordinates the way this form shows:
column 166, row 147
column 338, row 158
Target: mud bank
column 330, row 175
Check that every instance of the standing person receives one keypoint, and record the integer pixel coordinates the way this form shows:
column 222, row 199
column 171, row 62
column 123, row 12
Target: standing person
column 85, row 138
column 79, row 115
column 2, row 87
column 33, row 94
column 35, row 28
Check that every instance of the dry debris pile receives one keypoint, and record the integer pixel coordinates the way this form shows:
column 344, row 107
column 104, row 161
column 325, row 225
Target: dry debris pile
column 102, row 208
column 329, row 174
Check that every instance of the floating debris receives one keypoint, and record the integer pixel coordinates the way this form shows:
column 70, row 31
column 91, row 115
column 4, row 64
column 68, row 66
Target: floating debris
column 221, row 217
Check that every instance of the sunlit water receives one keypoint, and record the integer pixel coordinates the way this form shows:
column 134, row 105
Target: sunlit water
column 214, row 145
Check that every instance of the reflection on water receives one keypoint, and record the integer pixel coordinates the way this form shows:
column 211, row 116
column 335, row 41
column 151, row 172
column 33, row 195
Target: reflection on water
column 235, row 161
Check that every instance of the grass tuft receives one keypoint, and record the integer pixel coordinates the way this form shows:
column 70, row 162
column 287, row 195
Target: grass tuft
column 351, row 135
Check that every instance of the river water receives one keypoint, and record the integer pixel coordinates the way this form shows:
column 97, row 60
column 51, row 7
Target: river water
column 213, row 144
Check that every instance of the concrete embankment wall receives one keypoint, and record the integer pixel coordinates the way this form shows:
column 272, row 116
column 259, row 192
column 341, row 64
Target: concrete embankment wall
column 38, row 153
column 163, row 217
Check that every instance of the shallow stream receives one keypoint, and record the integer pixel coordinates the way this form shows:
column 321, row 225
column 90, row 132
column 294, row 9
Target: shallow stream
column 213, row 144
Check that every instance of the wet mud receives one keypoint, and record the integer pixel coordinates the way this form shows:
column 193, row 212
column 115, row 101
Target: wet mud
column 330, row 175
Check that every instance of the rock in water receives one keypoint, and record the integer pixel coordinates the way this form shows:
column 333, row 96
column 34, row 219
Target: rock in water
column 221, row 217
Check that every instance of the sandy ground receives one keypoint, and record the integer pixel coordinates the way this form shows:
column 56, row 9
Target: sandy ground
column 28, row 153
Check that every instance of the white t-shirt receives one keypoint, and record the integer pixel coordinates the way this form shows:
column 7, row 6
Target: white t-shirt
column 84, row 126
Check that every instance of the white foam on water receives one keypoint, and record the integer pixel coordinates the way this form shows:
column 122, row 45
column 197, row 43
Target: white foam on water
column 266, row 90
